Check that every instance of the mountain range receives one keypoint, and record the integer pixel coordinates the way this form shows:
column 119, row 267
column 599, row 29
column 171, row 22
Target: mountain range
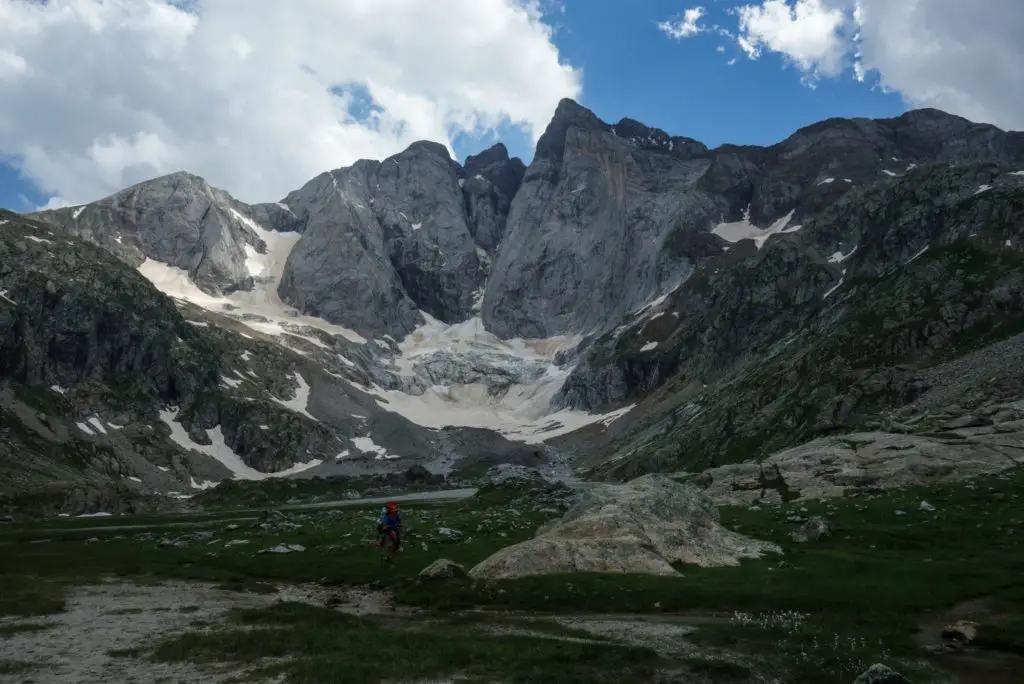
column 628, row 302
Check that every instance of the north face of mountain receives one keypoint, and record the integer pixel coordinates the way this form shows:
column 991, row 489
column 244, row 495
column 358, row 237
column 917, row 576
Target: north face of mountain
column 593, row 231
column 842, row 325
column 620, row 212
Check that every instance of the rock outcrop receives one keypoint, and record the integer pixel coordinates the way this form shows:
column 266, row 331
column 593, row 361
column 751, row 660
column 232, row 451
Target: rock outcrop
column 181, row 221
column 832, row 466
column 644, row 526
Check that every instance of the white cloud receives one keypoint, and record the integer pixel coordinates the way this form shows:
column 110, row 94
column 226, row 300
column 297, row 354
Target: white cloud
column 959, row 56
column 684, row 26
column 99, row 94
column 809, row 33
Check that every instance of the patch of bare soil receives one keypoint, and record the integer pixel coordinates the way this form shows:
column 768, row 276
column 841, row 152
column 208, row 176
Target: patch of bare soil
column 103, row 634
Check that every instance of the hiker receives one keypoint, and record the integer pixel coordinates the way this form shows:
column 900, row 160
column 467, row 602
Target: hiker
column 390, row 526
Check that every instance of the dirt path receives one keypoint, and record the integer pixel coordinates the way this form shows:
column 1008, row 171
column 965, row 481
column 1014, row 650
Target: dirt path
column 121, row 615
column 77, row 645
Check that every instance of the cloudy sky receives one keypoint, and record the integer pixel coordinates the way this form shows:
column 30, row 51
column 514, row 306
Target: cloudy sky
column 260, row 95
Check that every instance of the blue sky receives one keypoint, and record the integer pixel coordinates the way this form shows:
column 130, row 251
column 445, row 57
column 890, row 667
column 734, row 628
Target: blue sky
column 629, row 67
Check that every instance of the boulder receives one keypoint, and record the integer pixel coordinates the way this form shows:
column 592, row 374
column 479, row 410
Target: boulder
column 442, row 568
column 643, row 526
column 812, row 530
column 880, row 674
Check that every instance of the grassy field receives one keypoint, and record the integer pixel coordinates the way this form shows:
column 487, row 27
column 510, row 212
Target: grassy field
column 821, row 612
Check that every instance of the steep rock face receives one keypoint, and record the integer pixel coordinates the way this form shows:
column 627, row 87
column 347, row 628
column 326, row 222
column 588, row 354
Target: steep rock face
column 71, row 312
column 593, row 215
column 491, row 181
column 383, row 241
column 178, row 220
column 822, row 329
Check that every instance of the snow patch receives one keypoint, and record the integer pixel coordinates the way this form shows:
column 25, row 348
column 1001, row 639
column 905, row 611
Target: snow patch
column 3, row 295
column 222, row 453
column 889, row 173
column 201, row 485
column 78, row 212
column 826, row 181
column 835, row 287
column 134, row 479
column 33, row 238
column 98, row 424
column 923, row 250
column 260, row 309
column 99, row 514
column 838, row 257
column 982, row 188
column 300, row 401
column 649, row 346
column 417, row 226
column 199, row 324
column 368, row 446
column 745, row 230
column 58, row 389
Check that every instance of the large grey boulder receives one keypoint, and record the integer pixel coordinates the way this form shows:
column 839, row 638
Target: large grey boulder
column 643, row 526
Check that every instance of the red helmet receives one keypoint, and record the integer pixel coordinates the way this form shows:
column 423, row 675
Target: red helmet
column 391, row 507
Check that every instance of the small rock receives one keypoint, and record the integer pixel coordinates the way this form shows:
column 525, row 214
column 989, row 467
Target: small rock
column 960, row 633
column 443, row 568
column 815, row 529
column 449, row 534
column 901, row 513
column 880, row 674
column 283, row 548
column 927, row 507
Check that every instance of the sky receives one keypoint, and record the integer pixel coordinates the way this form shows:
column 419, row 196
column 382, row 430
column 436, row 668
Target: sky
column 259, row 96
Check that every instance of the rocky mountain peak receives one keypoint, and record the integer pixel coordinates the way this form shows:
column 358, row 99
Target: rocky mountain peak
column 569, row 114
column 427, row 146
column 495, row 154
